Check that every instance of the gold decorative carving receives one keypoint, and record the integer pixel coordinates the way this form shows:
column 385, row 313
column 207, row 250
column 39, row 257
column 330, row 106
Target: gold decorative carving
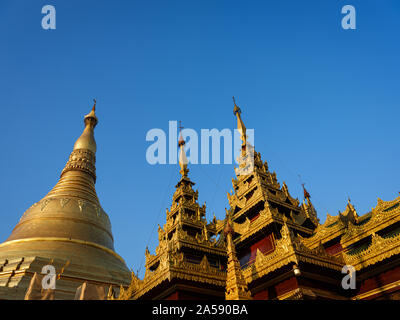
column 64, row 201
column 379, row 249
column 44, row 203
column 81, row 204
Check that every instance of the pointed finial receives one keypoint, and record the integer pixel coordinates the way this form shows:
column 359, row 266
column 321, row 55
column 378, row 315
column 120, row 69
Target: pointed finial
column 181, row 141
column 183, row 161
column 240, row 126
column 306, row 194
column 236, row 109
column 90, row 118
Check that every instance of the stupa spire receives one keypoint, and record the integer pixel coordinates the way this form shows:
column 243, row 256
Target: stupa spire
column 83, row 156
column 86, row 140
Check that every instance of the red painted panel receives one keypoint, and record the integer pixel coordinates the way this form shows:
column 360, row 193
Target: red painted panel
column 262, row 295
column 266, row 245
column 185, row 295
column 334, row 249
column 173, row 296
column 380, row 280
column 286, row 286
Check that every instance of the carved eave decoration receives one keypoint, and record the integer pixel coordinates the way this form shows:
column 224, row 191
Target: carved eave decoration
column 249, row 194
column 248, row 228
column 289, row 249
column 349, row 214
column 293, row 201
column 309, row 212
column 234, row 201
column 219, row 225
column 267, row 216
column 128, row 293
column 194, row 221
column 331, row 229
column 298, row 217
column 182, row 238
column 256, row 195
column 379, row 249
column 383, row 215
column 172, row 265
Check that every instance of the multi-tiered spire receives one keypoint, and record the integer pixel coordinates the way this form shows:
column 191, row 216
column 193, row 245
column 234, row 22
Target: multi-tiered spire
column 236, row 287
column 187, row 256
column 259, row 204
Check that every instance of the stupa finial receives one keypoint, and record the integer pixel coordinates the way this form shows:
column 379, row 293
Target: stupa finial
column 86, row 140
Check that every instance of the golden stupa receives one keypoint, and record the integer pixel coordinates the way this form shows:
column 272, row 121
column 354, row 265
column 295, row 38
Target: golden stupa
column 68, row 229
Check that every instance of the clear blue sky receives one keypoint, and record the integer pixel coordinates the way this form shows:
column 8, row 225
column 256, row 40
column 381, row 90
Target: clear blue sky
column 324, row 102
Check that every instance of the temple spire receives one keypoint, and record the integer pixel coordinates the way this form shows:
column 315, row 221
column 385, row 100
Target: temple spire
column 240, row 125
column 183, row 161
